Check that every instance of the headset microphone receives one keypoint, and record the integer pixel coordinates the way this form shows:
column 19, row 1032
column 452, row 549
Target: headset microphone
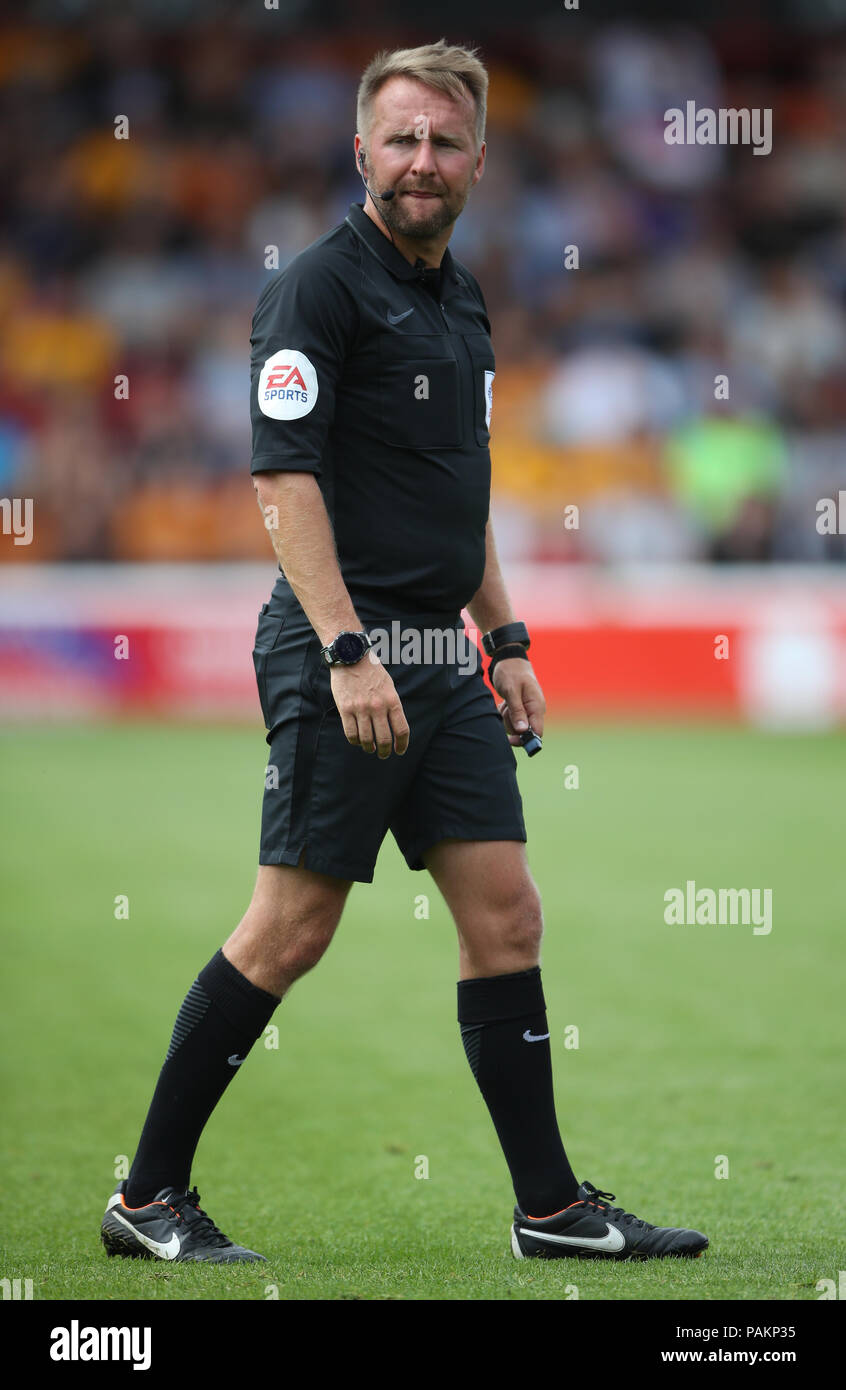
column 385, row 197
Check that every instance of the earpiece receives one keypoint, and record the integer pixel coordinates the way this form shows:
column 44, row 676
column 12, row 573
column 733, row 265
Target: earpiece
column 383, row 197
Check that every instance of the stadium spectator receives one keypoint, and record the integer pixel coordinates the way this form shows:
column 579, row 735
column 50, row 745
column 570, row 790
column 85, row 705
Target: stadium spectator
column 129, row 269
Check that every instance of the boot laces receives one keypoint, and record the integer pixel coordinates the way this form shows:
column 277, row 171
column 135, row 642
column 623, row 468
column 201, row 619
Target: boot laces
column 188, row 1210
column 623, row 1218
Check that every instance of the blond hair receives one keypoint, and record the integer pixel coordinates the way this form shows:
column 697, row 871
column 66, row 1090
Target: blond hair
column 451, row 69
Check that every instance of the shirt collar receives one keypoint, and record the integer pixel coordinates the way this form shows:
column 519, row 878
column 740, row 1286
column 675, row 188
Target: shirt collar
column 387, row 253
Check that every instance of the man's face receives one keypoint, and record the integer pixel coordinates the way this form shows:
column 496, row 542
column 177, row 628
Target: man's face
column 421, row 143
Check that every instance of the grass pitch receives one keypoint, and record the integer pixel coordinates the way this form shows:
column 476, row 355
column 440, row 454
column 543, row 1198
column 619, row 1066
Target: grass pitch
column 696, row 1043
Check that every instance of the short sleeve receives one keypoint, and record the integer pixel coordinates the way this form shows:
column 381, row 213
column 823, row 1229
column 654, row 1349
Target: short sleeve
column 305, row 325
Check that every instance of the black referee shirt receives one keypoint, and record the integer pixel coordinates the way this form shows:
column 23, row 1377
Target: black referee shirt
column 377, row 376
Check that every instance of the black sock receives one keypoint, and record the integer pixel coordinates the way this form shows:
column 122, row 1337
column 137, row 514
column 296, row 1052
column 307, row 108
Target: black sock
column 505, row 1036
column 221, row 1017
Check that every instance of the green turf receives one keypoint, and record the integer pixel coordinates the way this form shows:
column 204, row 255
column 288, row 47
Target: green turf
column 694, row 1041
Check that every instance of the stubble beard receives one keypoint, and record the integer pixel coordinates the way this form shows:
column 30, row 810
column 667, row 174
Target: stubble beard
column 443, row 214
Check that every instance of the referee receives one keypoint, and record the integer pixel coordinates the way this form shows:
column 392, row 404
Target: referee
column 372, row 373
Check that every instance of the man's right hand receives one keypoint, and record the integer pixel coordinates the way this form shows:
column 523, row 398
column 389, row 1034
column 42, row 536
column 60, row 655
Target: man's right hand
column 370, row 707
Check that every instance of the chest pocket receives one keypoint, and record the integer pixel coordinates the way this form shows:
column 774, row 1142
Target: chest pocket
column 419, row 392
column 484, row 366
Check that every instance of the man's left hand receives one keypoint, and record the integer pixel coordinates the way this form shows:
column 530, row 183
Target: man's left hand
column 523, row 703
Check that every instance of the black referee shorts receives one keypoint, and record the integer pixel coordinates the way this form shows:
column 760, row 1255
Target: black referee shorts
column 333, row 804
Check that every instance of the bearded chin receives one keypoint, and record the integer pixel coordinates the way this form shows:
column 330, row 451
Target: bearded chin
column 423, row 229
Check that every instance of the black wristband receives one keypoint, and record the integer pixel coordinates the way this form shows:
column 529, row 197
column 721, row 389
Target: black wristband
column 504, row 637
column 506, row 653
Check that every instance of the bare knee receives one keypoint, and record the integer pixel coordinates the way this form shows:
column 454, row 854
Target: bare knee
column 519, row 922
column 287, row 927
column 505, row 934
column 302, row 943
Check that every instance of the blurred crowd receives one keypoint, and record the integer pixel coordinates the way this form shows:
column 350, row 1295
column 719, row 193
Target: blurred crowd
column 669, row 320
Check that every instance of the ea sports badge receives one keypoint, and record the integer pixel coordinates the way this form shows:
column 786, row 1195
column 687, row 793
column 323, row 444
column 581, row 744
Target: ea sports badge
column 287, row 386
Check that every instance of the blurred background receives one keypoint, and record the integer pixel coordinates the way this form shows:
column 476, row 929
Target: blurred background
column 140, row 260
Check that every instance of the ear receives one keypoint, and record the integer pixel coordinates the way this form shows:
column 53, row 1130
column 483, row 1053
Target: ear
column 480, row 165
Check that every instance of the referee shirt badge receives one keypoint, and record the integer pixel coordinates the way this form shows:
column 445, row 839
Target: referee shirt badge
column 287, row 386
column 489, row 376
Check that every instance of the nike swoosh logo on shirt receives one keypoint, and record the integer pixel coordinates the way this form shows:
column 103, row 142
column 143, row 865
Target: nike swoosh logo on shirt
column 529, row 1036
column 235, row 1060
column 613, row 1240
column 398, row 318
column 167, row 1252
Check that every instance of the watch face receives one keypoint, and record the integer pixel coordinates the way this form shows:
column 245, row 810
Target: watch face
column 349, row 647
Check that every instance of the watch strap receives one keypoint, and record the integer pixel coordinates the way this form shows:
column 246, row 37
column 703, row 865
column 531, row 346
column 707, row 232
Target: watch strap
column 504, row 636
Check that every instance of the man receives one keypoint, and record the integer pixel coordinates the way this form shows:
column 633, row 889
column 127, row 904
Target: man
column 371, row 398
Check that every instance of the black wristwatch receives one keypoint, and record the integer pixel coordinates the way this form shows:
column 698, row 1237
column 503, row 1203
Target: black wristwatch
column 347, row 649
column 506, row 636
